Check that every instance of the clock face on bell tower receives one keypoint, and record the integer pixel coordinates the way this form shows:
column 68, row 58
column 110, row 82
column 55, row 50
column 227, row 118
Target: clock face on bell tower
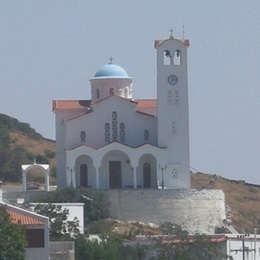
column 172, row 80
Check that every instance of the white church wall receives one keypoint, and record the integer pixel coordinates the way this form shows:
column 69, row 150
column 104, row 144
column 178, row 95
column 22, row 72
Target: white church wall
column 102, row 86
column 103, row 177
column 60, row 146
column 94, row 124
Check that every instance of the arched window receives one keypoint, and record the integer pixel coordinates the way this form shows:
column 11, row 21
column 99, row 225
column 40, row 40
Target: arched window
column 122, row 132
column 146, row 135
column 107, row 132
column 168, row 58
column 83, row 136
column 114, row 126
column 177, row 57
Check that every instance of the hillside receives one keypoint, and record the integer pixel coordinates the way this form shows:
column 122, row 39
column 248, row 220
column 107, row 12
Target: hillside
column 242, row 199
column 34, row 146
column 21, row 144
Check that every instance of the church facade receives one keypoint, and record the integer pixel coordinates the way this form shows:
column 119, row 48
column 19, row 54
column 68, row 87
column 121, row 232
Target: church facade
column 116, row 141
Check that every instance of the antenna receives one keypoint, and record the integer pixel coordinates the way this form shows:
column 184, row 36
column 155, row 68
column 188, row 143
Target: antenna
column 183, row 30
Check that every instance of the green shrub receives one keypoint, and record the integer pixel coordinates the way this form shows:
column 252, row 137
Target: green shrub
column 30, row 156
column 53, row 171
column 49, row 154
column 252, row 190
column 41, row 159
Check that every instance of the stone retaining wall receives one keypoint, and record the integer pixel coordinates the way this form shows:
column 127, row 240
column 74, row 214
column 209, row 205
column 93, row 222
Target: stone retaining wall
column 198, row 211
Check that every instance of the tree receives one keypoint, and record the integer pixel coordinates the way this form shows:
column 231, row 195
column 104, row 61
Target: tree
column 5, row 138
column 12, row 238
column 60, row 227
column 110, row 248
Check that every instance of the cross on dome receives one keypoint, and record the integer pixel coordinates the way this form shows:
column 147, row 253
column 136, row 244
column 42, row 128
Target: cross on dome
column 110, row 60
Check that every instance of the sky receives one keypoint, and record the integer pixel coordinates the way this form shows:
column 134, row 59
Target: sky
column 50, row 49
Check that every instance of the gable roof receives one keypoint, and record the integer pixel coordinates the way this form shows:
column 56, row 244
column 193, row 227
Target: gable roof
column 23, row 217
column 146, row 106
column 185, row 42
column 71, row 104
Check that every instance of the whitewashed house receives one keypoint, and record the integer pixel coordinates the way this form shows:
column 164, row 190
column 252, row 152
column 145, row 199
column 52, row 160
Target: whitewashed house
column 117, row 141
column 36, row 230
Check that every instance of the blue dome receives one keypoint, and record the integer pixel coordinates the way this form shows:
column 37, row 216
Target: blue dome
column 111, row 70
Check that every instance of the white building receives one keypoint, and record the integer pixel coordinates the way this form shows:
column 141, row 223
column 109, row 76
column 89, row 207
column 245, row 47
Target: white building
column 36, row 231
column 241, row 246
column 116, row 141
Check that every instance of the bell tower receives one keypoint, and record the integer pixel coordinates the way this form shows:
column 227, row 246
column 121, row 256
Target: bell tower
column 173, row 110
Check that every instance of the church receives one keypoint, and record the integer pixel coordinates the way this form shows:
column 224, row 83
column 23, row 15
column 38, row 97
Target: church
column 117, row 141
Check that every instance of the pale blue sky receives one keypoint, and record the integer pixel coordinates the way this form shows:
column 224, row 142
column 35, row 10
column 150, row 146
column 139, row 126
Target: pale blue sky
column 50, row 49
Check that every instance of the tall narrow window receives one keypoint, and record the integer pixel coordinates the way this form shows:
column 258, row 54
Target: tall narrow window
column 122, row 132
column 111, row 91
column 169, row 96
column 174, row 127
column 177, row 57
column 126, row 92
column 146, row 135
column 167, row 59
column 114, row 126
column 176, row 97
column 107, row 132
column 97, row 93
column 83, row 136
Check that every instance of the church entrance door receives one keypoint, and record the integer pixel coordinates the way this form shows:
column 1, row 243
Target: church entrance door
column 115, row 175
column 83, row 175
column 147, row 178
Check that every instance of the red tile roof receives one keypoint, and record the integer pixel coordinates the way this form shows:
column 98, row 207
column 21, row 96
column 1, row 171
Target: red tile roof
column 147, row 106
column 191, row 239
column 23, row 218
column 185, row 42
column 171, row 239
column 70, row 104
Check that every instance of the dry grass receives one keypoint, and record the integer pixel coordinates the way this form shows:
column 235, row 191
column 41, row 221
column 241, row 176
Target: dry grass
column 242, row 199
column 36, row 147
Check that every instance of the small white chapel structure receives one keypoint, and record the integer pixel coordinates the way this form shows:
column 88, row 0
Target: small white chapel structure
column 117, row 141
